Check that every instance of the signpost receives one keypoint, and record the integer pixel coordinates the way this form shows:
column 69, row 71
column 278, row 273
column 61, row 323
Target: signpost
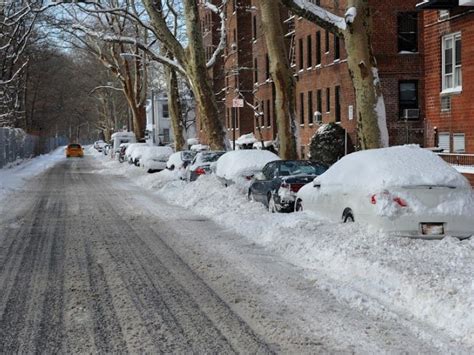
column 236, row 104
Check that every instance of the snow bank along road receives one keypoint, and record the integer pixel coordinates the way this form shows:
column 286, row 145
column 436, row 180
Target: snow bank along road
column 90, row 262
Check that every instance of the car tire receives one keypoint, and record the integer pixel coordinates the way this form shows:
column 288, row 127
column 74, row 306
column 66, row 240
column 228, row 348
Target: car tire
column 348, row 216
column 299, row 206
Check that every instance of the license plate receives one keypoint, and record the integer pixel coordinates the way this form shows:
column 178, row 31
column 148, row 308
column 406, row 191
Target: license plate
column 432, row 228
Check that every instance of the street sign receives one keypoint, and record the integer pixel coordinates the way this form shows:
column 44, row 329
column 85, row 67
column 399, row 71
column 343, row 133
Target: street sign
column 237, row 103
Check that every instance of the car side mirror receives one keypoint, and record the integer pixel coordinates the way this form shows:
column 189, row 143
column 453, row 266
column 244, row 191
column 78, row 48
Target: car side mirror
column 316, row 183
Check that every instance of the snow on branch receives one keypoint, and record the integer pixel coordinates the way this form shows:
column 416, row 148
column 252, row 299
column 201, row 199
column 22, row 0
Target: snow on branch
column 133, row 41
column 319, row 15
column 223, row 38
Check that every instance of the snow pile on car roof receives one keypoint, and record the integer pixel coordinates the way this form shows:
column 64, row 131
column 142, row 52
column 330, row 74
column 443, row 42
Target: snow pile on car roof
column 238, row 163
column 155, row 152
column 395, row 166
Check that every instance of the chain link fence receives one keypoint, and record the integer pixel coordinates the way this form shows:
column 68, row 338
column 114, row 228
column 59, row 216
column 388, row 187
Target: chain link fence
column 15, row 145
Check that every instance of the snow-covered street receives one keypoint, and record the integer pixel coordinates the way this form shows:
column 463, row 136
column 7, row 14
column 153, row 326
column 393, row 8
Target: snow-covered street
column 266, row 282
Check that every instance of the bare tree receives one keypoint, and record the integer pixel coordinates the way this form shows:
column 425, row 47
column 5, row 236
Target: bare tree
column 282, row 76
column 355, row 28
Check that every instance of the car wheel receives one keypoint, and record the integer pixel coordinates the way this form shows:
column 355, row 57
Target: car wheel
column 348, row 216
column 299, row 206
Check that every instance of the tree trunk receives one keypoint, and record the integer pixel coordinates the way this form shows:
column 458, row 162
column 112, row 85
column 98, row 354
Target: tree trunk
column 371, row 116
column 174, row 103
column 200, row 80
column 282, row 76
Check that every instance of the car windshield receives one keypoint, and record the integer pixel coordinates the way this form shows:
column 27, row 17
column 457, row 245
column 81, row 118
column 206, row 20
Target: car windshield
column 210, row 157
column 300, row 168
column 187, row 155
column 74, row 146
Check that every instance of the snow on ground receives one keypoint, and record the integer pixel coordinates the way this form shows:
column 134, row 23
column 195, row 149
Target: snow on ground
column 17, row 174
column 423, row 284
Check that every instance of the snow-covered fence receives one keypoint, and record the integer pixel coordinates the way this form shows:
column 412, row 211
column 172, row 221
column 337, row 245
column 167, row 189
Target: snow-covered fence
column 15, row 144
column 458, row 159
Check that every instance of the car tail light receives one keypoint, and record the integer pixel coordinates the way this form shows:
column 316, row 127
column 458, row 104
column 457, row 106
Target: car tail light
column 296, row 187
column 200, row 171
column 399, row 201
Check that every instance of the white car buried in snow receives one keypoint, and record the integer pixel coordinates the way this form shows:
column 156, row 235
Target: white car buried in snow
column 154, row 158
column 240, row 166
column 406, row 191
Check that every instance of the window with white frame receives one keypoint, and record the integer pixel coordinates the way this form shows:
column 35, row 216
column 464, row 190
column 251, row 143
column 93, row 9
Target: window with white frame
column 459, row 143
column 451, row 75
column 444, row 142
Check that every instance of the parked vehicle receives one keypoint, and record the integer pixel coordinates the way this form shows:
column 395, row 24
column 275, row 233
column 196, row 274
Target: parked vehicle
column 154, row 158
column 133, row 152
column 123, row 149
column 202, row 164
column 276, row 186
column 107, row 149
column 99, row 145
column 407, row 191
column 74, row 150
column 240, row 166
column 179, row 161
column 121, row 137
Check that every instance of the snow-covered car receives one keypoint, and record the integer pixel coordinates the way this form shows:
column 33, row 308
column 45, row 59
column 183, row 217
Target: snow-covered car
column 99, row 145
column 154, row 158
column 404, row 190
column 240, row 166
column 179, row 161
column 202, row 164
column 121, row 153
column 134, row 151
column 276, row 186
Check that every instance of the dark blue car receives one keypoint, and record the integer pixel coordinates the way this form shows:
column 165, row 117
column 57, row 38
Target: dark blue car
column 276, row 186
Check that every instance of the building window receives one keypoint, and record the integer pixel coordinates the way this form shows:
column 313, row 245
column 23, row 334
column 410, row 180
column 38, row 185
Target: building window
column 165, row 111
column 337, row 48
column 310, row 107
column 328, row 100
column 267, row 66
column 408, row 32
column 301, row 58
column 459, row 143
column 337, row 100
column 445, row 103
column 166, row 135
column 318, row 48
column 309, row 52
column 254, row 27
column 255, row 72
column 269, row 116
column 302, row 108
column 408, row 99
column 319, row 101
column 451, row 70
column 327, row 41
column 444, row 142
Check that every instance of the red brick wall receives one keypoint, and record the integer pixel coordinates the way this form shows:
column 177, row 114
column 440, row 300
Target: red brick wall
column 461, row 117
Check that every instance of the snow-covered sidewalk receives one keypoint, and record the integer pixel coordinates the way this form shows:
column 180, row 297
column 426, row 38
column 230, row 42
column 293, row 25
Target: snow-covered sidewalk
column 422, row 284
column 16, row 175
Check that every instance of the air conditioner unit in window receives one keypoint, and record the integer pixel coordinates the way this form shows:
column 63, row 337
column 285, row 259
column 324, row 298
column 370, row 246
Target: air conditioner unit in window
column 411, row 113
column 318, row 117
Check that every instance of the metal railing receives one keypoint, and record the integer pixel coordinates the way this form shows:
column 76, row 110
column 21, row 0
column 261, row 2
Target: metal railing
column 458, row 159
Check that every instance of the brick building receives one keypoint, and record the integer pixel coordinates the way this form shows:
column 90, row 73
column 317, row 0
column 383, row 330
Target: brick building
column 449, row 74
column 324, row 91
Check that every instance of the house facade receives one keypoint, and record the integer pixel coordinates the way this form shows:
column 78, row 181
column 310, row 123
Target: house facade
column 449, row 74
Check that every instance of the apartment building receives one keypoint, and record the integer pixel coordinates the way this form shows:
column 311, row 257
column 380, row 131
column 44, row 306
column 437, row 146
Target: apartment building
column 324, row 91
column 449, row 74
